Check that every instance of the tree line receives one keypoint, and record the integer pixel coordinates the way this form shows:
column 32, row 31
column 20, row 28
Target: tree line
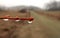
column 53, row 6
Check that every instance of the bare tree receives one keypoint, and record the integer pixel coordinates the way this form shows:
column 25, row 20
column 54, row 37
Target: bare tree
column 53, row 5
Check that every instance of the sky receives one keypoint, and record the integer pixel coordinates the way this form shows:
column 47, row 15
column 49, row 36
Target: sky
column 38, row 3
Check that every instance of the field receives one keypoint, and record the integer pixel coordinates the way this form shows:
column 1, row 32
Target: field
column 42, row 27
column 52, row 14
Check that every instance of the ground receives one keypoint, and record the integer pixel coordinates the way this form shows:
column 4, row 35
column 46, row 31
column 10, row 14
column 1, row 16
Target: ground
column 42, row 27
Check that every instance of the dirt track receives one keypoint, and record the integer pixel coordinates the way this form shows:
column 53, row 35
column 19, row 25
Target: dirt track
column 42, row 27
column 34, row 30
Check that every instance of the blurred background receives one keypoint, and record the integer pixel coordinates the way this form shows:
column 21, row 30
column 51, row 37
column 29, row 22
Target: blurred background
column 46, row 23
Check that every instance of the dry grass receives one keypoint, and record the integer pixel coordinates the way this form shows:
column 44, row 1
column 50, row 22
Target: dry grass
column 42, row 27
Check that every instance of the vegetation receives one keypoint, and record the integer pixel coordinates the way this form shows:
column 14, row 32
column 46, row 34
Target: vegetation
column 53, row 5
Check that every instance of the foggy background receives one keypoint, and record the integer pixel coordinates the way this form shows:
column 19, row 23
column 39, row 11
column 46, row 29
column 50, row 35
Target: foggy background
column 43, row 4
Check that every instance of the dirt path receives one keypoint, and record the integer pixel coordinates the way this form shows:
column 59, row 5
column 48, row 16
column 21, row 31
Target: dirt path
column 42, row 27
